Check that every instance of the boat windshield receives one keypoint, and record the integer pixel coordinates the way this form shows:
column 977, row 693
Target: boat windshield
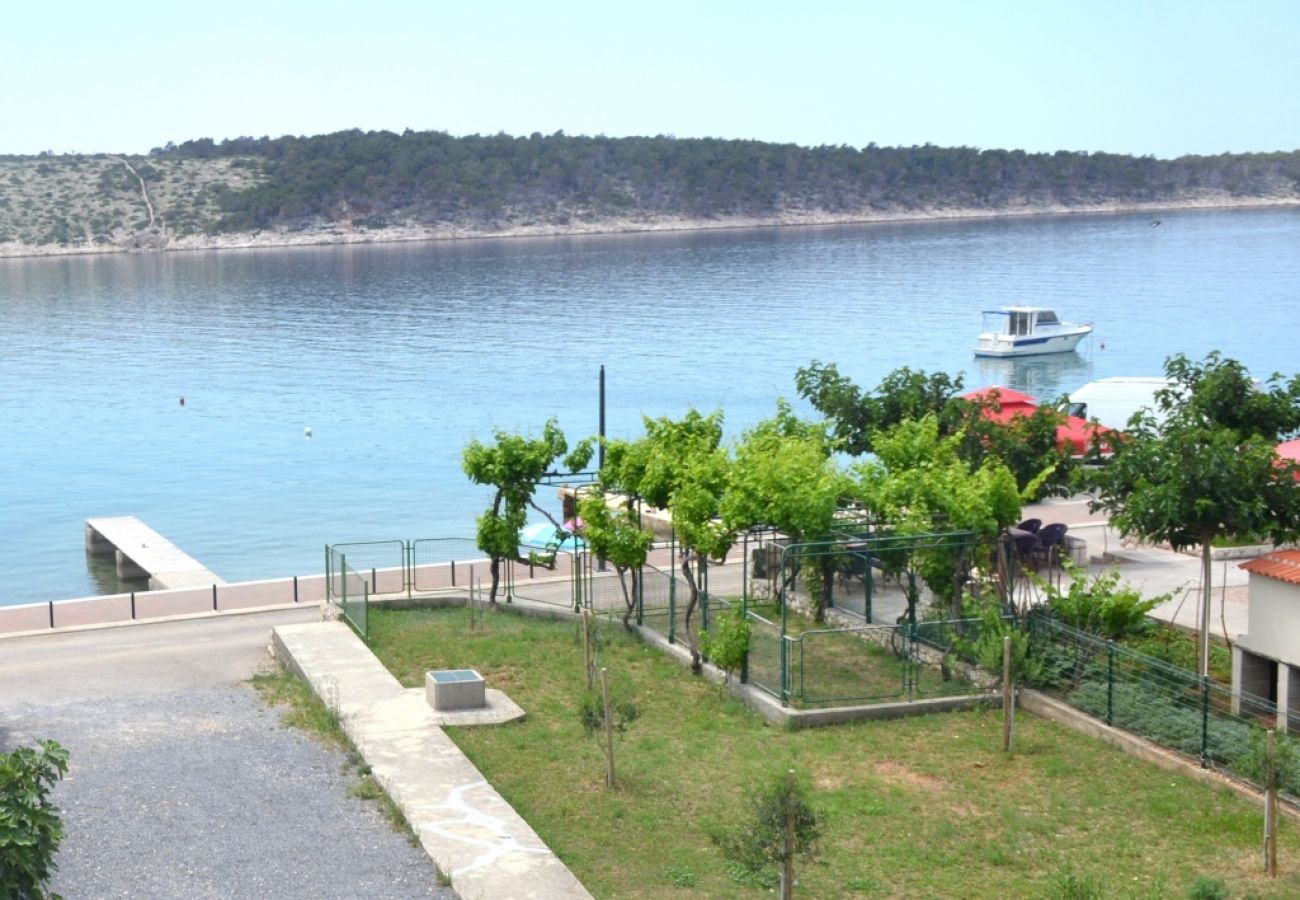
column 1047, row 317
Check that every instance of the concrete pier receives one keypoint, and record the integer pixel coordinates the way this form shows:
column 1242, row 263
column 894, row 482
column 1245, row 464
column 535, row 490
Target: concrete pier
column 142, row 552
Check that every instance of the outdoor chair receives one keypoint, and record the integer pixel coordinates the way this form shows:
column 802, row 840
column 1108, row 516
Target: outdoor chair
column 1050, row 539
column 1031, row 525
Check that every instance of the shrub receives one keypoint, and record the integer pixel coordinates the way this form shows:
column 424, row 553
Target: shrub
column 1207, row 888
column 30, row 828
column 757, row 845
column 727, row 642
column 1097, row 604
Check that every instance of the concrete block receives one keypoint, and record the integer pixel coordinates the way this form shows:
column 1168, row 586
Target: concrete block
column 452, row 689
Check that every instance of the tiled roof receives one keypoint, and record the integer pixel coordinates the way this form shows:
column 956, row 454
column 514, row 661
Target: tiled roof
column 1284, row 565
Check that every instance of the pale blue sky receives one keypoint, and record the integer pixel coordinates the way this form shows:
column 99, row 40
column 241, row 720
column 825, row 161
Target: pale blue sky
column 1162, row 78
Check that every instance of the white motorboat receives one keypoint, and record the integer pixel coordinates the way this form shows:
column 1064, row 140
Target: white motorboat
column 1027, row 331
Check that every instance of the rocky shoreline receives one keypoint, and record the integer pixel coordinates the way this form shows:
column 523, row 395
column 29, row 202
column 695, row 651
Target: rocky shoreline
column 337, row 233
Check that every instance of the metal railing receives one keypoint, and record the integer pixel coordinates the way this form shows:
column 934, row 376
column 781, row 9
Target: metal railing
column 1174, row 707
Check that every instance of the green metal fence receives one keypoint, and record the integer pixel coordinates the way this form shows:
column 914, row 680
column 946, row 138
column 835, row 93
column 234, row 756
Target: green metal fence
column 353, row 597
column 1165, row 704
column 862, row 663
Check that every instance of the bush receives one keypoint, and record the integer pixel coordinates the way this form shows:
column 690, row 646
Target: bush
column 757, row 845
column 1098, row 605
column 1162, row 718
column 30, row 828
column 727, row 642
column 1207, row 888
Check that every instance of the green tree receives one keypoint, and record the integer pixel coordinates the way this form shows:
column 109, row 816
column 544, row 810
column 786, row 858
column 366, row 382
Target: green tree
column 856, row 416
column 1026, row 445
column 615, row 535
column 30, row 828
column 513, row 465
column 681, row 466
column 1206, row 467
column 919, row 484
column 785, row 478
column 780, row 827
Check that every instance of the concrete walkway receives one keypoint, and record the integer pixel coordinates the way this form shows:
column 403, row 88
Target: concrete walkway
column 472, row 834
column 1154, row 571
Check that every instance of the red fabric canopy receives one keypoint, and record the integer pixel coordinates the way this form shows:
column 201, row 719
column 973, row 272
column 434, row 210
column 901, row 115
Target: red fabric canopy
column 1074, row 433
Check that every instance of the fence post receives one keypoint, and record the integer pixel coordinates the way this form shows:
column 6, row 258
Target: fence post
column 133, row 606
column 453, row 574
column 1270, row 804
column 51, row 613
column 1205, row 721
column 295, row 596
column 638, row 591
column 1110, row 683
column 214, row 598
column 672, row 608
column 1008, row 696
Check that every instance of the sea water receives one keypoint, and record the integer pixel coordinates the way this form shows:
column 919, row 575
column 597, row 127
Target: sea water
column 253, row 406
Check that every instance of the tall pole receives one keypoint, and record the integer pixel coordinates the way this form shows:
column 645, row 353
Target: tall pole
column 1205, row 610
column 600, row 452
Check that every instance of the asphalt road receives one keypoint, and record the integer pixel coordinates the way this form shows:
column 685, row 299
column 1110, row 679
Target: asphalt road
column 182, row 783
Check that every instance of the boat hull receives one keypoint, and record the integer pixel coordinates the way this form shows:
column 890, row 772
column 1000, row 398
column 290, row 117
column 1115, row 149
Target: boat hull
column 1002, row 345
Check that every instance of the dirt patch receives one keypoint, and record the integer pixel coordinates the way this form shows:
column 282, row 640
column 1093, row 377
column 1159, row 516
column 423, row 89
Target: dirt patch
column 897, row 773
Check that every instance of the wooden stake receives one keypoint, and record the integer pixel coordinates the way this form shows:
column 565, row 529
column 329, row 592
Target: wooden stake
column 787, row 865
column 609, row 726
column 1270, row 804
column 1008, row 696
column 586, row 648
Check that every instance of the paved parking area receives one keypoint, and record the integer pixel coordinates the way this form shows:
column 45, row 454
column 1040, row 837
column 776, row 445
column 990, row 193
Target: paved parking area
column 182, row 783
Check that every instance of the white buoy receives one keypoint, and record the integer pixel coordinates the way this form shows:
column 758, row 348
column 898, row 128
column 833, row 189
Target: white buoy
column 306, row 432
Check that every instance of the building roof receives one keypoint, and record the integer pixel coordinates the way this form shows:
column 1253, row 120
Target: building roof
column 1284, row 565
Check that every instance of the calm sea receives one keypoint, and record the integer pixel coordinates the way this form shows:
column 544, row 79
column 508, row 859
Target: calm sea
column 395, row 356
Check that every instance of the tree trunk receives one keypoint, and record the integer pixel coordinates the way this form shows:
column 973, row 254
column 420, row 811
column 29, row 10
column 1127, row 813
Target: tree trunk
column 495, row 569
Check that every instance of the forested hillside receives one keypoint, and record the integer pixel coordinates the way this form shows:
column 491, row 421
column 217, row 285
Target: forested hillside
column 354, row 182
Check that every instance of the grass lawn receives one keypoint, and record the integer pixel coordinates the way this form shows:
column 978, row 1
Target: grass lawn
column 921, row 807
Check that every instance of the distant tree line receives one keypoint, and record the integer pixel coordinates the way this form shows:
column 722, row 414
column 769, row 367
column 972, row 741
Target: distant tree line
column 377, row 178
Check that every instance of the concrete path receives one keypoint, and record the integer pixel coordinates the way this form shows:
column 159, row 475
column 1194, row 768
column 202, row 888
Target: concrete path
column 183, row 783
column 1154, row 571
column 487, row 849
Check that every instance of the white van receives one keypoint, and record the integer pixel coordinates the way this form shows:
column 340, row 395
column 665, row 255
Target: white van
column 1112, row 401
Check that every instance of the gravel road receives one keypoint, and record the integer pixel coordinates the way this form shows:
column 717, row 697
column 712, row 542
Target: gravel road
column 200, row 791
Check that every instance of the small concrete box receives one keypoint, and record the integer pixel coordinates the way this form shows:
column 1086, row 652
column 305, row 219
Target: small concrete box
column 452, row 689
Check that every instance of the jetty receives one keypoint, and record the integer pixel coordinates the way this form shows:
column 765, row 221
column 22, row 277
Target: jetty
column 142, row 552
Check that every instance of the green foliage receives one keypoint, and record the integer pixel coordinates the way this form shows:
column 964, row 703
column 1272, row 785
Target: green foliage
column 1098, row 605
column 591, row 712
column 856, row 416
column 984, row 647
column 1206, row 887
column 1067, row 884
column 615, row 535
column 513, row 465
column 681, row 876
column 1208, row 469
column 1178, row 648
column 433, row 177
column 757, row 842
column 1170, row 721
column 727, row 642
column 1026, row 445
column 679, row 465
column 30, row 827
column 919, row 484
column 785, row 478
column 1252, row 763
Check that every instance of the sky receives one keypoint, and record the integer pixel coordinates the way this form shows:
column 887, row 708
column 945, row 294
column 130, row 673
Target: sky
column 1124, row 76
